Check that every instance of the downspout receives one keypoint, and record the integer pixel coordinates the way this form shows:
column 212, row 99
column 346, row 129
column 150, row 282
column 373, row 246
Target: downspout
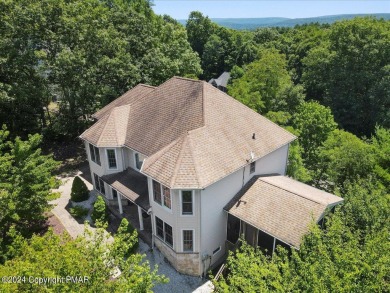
column 243, row 176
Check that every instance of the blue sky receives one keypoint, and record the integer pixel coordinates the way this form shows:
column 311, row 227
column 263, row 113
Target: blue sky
column 180, row 9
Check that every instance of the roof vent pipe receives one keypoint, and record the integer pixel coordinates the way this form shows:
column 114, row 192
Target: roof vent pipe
column 254, row 136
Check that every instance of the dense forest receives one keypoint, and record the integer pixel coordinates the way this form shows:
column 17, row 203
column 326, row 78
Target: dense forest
column 328, row 84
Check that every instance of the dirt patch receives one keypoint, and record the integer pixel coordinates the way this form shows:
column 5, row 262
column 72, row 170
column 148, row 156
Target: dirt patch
column 53, row 222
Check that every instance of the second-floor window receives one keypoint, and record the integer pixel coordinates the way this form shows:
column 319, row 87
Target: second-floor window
column 138, row 161
column 162, row 194
column 111, row 159
column 186, row 202
column 157, row 192
column 95, row 155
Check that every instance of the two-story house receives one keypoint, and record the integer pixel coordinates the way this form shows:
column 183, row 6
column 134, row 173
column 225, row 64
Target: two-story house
column 206, row 168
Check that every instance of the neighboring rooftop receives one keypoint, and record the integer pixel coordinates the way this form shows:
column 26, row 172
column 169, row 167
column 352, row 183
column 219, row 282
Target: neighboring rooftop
column 191, row 133
column 221, row 81
column 281, row 206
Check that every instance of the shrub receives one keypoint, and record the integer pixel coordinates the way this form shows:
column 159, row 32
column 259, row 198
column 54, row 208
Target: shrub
column 127, row 234
column 100, row 212
column 78, row 212
column 79, row 191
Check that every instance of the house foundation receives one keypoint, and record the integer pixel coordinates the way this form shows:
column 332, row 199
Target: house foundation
column 185, row 263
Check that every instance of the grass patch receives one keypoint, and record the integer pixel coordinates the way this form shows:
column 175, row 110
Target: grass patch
column 53, row 196
column 79, row 212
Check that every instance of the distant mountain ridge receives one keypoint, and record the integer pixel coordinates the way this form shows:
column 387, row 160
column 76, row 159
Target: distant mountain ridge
column 253, row 23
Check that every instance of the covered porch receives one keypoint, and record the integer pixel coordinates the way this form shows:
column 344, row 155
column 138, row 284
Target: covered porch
column 275, row 210
column 130, row 190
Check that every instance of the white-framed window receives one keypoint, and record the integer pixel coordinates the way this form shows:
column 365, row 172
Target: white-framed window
column 139, row 159
column 94, row 153
column 188, row 240
column 111, row 158
column 187, row 202
column 252, row 168
column 164, row 231
column 114, row 193
column 162, row 194
column 99, row 184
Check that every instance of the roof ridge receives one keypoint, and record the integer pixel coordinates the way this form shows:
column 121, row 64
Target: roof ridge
column 196, row 167
column 186, row 78
column 163, row 150
column 146, row 85
column 178, row 161
column 239, row 103
column 104, row 128
column 310, row 199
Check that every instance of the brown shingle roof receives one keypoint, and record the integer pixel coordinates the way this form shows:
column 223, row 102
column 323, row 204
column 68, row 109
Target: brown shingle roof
column 192, row 133
column 280, row 206
column 127, row 98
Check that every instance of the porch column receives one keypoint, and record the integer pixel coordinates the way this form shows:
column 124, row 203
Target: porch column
column 120, row 203
column 141, row 220
column 273, row 248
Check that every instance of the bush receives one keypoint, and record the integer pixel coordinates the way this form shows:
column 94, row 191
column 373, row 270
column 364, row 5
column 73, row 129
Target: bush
column 79, row 191
column 79, row 212
column 128, row 235
column 100, row 212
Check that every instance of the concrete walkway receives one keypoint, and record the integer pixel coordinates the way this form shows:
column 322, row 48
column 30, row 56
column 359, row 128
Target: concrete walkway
column 71, row 225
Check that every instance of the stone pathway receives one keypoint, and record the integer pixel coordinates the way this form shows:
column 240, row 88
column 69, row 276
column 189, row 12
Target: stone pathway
column 71, row 225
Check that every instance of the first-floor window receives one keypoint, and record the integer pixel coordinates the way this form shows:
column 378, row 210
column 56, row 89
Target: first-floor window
column 164, row 231
column 186, row 202
column 160, row 227
column 111, row 159
column 188, row 240
column 114, row 194
column 99, row 184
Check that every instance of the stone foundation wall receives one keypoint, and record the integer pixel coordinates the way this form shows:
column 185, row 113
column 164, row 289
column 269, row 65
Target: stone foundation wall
column 185, row 263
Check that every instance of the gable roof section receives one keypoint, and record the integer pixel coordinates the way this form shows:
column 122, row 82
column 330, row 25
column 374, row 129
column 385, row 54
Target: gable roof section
column 191, row 133
column 110, row 130
column 127, row 98
column 171, row 110
column 280, row 206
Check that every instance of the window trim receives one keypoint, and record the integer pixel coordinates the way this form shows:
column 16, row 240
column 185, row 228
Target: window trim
column 93, row 152
column 254, row 167
column 99, row 184
column 108, row 160
column 162, row 196
column 193, row 241
column 181, row 204
column 163, row 239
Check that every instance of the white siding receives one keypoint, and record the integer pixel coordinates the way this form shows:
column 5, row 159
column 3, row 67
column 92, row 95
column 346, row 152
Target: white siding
column 174, row 218
column 217, row 195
